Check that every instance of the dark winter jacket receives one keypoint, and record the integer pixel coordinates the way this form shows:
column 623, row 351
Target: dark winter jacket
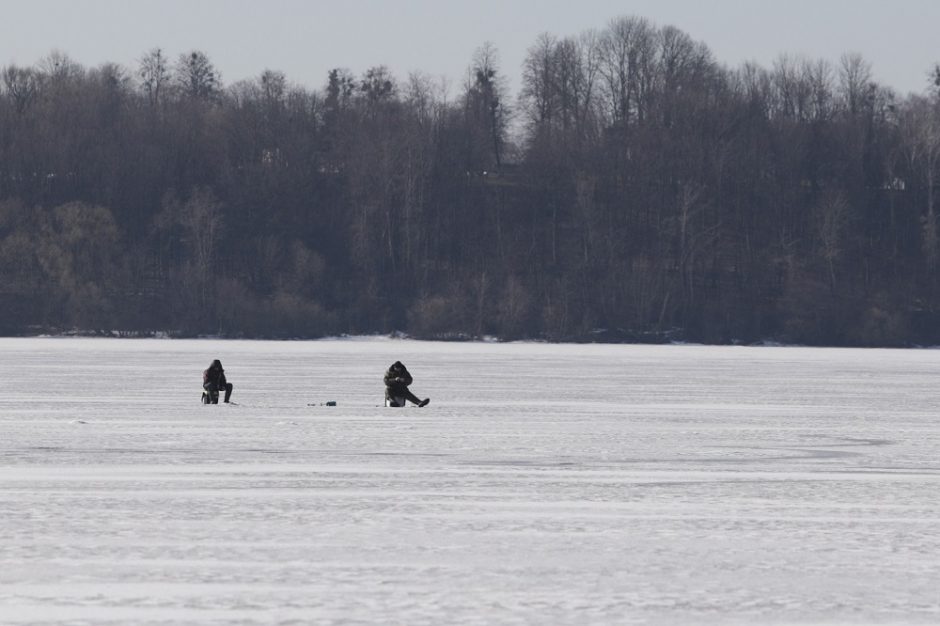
column 397, row 377
column 215, row 375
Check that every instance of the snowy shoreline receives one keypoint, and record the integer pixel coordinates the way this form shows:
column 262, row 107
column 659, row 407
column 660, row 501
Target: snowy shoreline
column 484, row 340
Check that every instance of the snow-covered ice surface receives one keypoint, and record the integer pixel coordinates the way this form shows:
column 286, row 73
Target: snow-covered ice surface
column 544, row 484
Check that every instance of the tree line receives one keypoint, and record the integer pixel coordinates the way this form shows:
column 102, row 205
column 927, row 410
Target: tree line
column 635, row 189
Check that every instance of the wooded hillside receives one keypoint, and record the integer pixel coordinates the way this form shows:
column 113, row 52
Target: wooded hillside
column 635, row 189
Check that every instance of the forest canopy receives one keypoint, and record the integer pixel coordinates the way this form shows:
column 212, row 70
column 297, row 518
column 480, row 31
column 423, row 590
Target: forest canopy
column 635, row 189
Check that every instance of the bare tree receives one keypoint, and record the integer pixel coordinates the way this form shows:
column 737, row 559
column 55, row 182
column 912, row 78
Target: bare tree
column 855, row 80
column 273, row 86
column 920, row 132
column 486, row 102
column 22, row 85
column 540, row 84
column 378, row 88
column 154, row 73
column 199, row 224
column 196, row 76
column 79, row 251
column 627, row 57
column 59, row 68
column 792, row 88
column 831, row 218
column 819, row 76
column 558, row 92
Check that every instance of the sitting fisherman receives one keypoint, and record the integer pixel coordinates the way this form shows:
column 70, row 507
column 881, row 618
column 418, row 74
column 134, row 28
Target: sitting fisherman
column 213, row 381
column 397, row 380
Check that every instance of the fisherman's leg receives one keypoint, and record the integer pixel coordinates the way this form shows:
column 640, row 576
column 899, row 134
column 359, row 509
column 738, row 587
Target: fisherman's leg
column 228, row 391
column 411, row 397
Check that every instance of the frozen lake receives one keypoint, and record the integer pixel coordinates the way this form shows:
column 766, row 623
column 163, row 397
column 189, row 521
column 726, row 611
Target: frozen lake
column 544, row 484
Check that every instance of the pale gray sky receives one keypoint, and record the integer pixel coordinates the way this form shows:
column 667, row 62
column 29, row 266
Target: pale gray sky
column 304, row 39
